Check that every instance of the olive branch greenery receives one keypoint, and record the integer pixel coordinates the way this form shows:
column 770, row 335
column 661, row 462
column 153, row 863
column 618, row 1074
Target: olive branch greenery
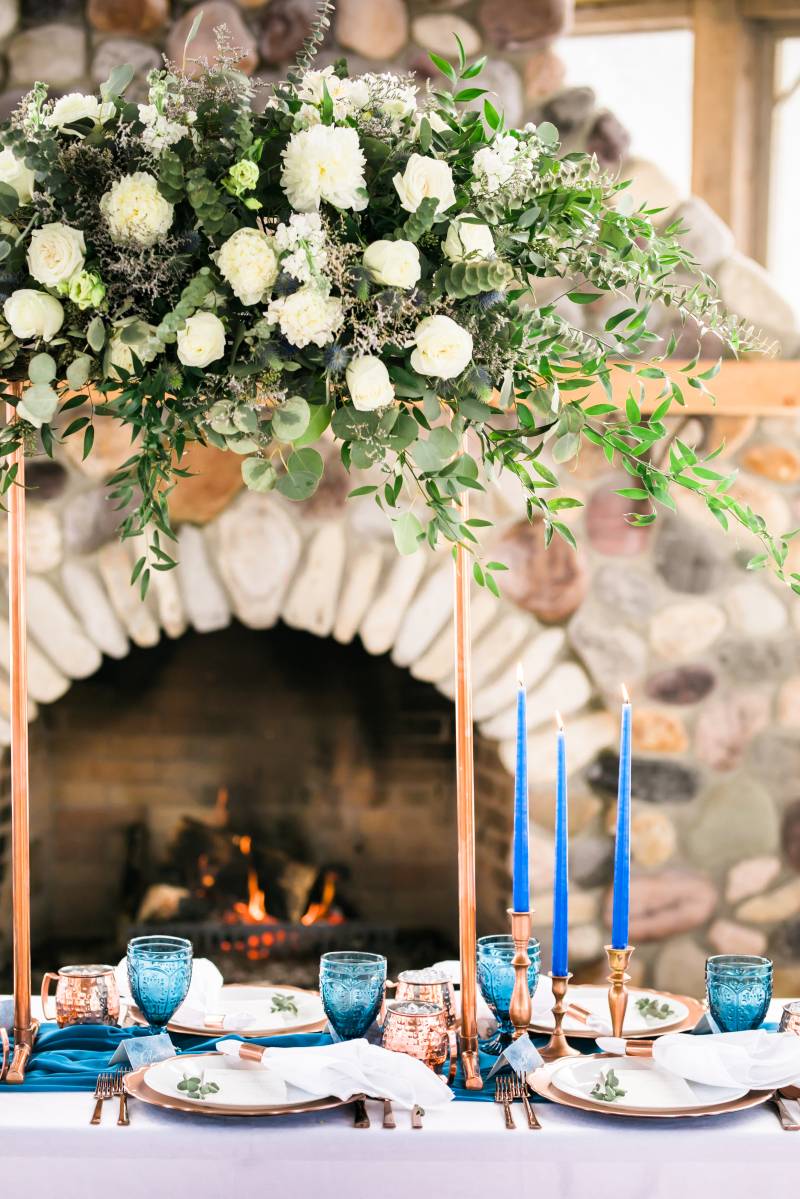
column 537, row 388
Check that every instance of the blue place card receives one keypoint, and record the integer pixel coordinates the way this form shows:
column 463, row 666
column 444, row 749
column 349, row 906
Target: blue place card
column 521, row 1055
column 143, row 1051
column 7, row 1013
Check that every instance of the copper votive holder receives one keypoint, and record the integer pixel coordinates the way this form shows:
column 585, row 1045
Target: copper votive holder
column 618, row 960
column 418, row 1029
column 519, row 1010
column 558, row 1045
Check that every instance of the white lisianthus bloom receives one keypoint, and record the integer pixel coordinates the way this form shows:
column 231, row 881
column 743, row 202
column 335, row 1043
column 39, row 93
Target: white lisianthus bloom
column 135, row 211
column 77, row 107
column 393, row 263
column 14, row 172
column 146, row 346
column 423, row 177
column 494, row 165
column 307, row 316
column 249, row 263
column 201, row 340
column 324, row 163
column 347, row 95
column 466, row 239
column 369, row 384
column 56, row 253
column 33, row 314
column 159, row 132
column 443, row 348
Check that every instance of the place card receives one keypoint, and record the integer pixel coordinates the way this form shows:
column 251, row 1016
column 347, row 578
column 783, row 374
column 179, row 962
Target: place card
column 6, row 1013
column 521, row 1055
column 143, row 1051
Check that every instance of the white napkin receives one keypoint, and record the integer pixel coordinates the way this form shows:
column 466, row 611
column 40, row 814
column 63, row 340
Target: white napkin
column 756, row 1060
column 354, row 1068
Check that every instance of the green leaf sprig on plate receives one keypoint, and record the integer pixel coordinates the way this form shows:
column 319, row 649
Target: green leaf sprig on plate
column 196, row 1087
column 651, row 1009
column 607, row 1088
column 284, row 1005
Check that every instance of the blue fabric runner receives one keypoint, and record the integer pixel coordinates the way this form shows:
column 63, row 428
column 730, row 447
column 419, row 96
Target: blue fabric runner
column 69, row 1059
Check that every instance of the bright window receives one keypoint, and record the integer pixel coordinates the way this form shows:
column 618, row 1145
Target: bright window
column 645, row 79
column 784, row 243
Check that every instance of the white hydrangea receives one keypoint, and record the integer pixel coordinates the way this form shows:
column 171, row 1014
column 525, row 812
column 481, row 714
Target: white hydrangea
column 301, row 242
column 494, row 165
column 135, row 211
column 247, row 260
column 159, row 132
column 307, row 316
column 324, row 163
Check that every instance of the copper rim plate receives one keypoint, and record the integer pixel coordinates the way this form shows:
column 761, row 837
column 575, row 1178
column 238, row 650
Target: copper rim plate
column 208, row 1031
column 137, row 1088
column 542, row 1085
column 696, row 1010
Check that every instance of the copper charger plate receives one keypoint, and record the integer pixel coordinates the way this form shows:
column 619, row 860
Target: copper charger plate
column 542, row 1085
column 137, row 1088
column 690, row 1020
column 211, row 1030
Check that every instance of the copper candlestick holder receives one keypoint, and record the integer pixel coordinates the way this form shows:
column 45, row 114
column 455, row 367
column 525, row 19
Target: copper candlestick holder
column 558, row 1046
column 618, row 960
column 519, row 1010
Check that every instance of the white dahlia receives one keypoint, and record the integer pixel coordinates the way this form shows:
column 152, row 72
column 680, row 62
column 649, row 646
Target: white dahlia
column 135, row 211
column 249, row 263
column 307, row 316
column 324, row 163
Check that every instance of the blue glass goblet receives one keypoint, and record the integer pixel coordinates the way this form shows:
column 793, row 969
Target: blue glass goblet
column 739, row 989
column 159, row 973
column 352, row 986
column 496, row 982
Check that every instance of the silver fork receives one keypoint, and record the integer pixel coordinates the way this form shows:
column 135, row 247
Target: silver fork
column 122, row 1095
column 102, row 1091
column 502, row 1095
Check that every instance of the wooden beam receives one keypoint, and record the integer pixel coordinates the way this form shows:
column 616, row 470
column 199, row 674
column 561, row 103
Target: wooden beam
column 770, row 10
column 616, row 16
column 725, row 130
column 758, row 388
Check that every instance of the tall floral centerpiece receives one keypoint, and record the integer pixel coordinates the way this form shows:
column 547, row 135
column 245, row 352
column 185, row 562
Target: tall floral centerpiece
column 362, row 257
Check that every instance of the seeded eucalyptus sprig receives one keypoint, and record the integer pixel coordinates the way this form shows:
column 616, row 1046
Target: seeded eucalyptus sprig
column 607, row 1088
column 651, row 1009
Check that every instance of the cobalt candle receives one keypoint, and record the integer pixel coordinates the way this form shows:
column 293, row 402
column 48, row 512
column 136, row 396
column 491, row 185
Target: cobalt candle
column 622, row 853
column 560, row 963
column 521, row 875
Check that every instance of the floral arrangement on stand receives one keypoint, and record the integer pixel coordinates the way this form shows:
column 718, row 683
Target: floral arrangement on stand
column 359, row 257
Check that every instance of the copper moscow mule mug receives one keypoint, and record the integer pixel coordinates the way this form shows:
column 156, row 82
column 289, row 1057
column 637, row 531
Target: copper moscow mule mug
column 418, row 1029
column 84, row 995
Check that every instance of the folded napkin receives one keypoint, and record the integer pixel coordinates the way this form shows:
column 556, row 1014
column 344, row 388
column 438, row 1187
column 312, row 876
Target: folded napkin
column 353, row 1068
column 203, row 1000
column 757, row 1060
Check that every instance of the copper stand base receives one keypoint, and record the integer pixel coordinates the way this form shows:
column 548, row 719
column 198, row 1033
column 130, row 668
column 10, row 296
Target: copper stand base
column 519, row 1009
column 558, row 1045
column 470, row 1063
column 23, row 1046
column 618, row 960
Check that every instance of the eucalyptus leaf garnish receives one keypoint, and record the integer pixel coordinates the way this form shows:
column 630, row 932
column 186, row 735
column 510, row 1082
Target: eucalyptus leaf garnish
column 651, row 1009
column 285, row 1005
column 607, row 1088
column 196, row 1087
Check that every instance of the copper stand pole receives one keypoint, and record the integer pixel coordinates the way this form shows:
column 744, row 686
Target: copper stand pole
column 465, row 803
column 24, row 1027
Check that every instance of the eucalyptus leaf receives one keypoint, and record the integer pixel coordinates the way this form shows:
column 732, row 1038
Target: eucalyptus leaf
column 78, row 372
column 303, row 473
column 291, row 420
column 42, row 368
column 259, row 474
column 38, row 404
column 96, row 334
column 408, row 533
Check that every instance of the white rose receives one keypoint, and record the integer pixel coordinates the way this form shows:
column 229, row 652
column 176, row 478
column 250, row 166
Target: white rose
column 201, row 340
column 14, row 172
column 135, row 211
column 146, row 346
column 424, row 177
column 56, row 253
column 324, row 163
column 77, row 107
column 467, row 240
column 393, row 263
column 443, row 348
column 33, row 314
column 369, row 384
column 307, row 316
column 249, row 263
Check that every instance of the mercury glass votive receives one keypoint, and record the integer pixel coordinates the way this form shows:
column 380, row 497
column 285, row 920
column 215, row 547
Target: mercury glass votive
column 739, row 990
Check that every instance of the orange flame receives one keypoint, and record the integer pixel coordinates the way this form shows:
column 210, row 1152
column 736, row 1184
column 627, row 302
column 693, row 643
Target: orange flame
column 318, row 911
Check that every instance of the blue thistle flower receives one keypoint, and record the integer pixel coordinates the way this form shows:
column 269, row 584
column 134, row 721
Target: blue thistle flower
column 490, row 299
column 336, row 359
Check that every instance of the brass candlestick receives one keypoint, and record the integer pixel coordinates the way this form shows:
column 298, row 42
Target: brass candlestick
column 618, row 960
column 558, row 1046
column 519, row 1009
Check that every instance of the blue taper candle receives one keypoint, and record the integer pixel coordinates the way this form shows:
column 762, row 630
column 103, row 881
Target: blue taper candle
column 622, row 853
column 522, row 900
column 560, row 963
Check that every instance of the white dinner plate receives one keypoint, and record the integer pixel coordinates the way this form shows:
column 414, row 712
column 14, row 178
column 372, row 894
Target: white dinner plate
column 595, row 1000
column 241, row 1084
column 249, row 1011
column 647, row 1085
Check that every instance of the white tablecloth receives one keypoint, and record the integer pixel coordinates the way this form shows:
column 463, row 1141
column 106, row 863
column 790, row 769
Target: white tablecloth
column 463, row 1152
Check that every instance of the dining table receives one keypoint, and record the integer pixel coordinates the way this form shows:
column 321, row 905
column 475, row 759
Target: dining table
column 48, row 1146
